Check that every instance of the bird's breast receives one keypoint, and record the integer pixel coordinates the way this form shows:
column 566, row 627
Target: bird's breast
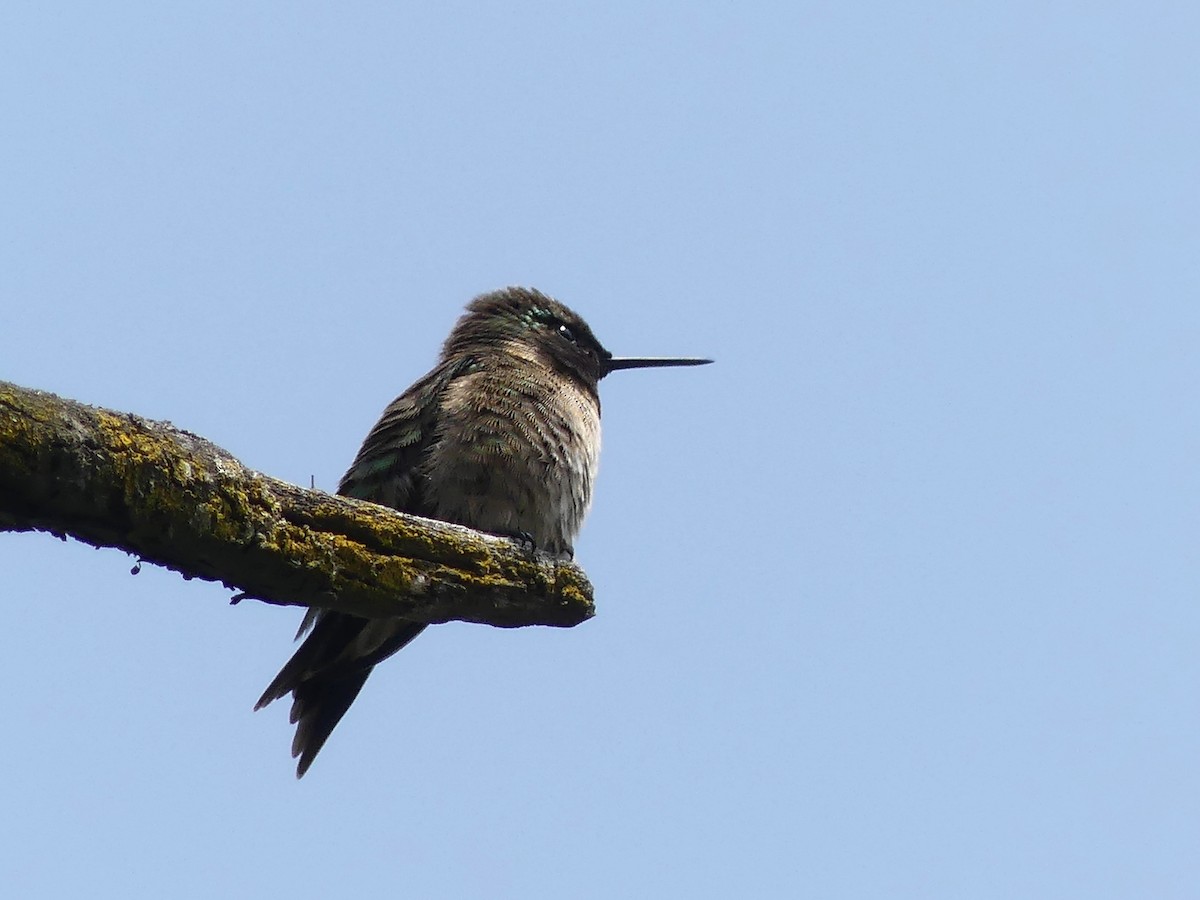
column 516, row 452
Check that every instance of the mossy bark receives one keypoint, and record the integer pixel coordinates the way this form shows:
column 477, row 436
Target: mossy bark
column 169, row 497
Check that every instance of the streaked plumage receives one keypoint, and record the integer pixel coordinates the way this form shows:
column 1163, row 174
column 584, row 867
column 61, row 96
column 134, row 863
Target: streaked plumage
column 503, row 435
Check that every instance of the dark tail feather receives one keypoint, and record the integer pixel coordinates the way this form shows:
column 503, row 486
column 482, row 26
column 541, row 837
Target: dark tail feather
column 324, row 648
column 317, row 708
column 328, row 670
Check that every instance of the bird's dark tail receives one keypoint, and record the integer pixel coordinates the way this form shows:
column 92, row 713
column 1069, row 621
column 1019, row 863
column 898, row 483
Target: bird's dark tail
column 328, row 670
column 317, row 706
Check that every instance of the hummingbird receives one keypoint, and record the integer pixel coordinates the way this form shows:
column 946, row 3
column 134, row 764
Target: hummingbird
column 503, row 436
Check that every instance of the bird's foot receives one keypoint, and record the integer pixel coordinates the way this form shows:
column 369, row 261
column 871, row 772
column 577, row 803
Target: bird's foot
column 522, row 539
column 526, row 542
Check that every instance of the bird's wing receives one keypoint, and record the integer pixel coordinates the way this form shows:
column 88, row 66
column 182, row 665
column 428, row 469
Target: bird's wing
column 386, row 469
column 329, row 669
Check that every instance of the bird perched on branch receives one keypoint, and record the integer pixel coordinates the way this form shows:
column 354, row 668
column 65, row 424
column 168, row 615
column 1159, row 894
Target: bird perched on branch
column 503, row 436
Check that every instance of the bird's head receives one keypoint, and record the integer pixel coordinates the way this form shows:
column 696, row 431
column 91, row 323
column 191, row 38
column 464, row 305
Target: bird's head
column 527, row 323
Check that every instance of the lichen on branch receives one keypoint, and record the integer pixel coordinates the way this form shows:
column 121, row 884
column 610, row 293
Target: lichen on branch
column 170, row 497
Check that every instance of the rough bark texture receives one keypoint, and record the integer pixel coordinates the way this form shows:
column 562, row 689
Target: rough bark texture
column 169, row 497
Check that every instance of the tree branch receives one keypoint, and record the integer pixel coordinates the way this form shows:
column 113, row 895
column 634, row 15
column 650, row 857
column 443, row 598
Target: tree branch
column 169, row 497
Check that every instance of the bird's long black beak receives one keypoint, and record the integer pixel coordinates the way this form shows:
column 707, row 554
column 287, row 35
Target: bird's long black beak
column 651, row 362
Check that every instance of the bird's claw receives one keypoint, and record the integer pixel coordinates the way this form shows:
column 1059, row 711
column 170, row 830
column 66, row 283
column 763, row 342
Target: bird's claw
column 523, row 539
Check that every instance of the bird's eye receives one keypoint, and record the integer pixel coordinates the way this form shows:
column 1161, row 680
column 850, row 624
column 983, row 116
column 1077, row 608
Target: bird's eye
column 566, row 333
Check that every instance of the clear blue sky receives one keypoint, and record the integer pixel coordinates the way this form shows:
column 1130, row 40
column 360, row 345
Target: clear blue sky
column 899, row 599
